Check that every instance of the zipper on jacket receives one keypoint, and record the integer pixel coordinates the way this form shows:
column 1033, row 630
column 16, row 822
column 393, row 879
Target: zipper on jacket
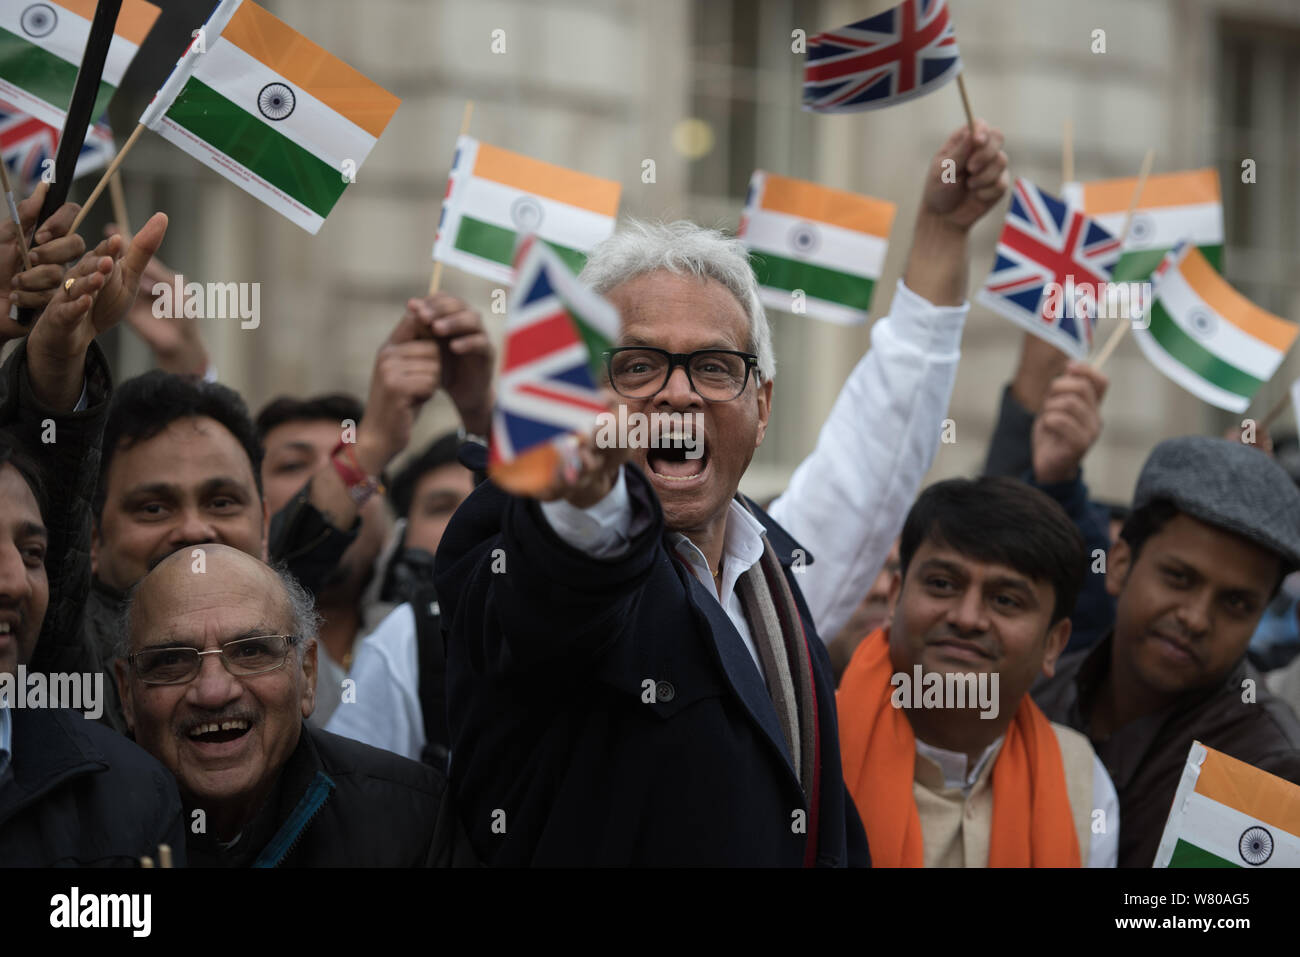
column 287, row 838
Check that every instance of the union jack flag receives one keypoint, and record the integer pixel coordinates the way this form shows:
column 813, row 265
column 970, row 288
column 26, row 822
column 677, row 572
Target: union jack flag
column 894, row 56
column 1044, row 241
column 556, row 331
column 27, row 143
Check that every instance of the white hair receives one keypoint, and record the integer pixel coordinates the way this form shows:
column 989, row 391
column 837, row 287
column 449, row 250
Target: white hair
column 683, row 248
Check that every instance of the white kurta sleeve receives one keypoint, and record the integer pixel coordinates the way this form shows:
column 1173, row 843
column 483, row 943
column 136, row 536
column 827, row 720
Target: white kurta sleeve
column 847, row 500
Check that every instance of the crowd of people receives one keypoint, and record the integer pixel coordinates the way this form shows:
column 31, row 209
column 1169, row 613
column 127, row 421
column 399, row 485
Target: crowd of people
column 312, row 657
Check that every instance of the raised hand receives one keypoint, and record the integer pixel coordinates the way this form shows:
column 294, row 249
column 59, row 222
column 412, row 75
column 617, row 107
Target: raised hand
column 967, row 176
column 35, row 287
column 1069, row 422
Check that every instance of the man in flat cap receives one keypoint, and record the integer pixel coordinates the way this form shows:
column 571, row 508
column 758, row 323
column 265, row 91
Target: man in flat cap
column 1215, row 527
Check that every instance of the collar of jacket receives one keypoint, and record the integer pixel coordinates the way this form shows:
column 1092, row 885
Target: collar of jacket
column 786, row 548
column 304, row 789
column 48, row 749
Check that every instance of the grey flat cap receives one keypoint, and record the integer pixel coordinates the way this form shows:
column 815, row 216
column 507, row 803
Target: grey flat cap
column 1229, row 485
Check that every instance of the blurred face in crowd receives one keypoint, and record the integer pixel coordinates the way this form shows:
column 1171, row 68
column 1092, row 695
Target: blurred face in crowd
column 225, row 737
column 874, row 610
column 24, row 588
column 437, row 495
column 682, row 315
column 956, row 614
column 1188, row 605
column 296, row 450
column 191, row 483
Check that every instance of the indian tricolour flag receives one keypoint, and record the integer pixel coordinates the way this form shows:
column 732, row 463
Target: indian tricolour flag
column 814, row 249
column 1208, row 337
column 495, row 196
column 1173, row 207
column 41, row 45
column 1228, row 813
column 271, row 111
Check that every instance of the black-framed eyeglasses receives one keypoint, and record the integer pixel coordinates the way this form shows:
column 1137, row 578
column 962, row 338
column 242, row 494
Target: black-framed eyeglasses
column 243, row 657
column 718, row 375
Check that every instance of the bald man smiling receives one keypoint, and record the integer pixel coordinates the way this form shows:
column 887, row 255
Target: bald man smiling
column 217, row 678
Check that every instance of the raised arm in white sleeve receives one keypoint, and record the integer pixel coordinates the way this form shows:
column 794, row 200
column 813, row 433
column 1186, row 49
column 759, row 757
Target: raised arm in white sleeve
column 847, row 500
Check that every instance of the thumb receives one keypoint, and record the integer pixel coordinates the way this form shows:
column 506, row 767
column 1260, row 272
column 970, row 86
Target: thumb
column 144, row 244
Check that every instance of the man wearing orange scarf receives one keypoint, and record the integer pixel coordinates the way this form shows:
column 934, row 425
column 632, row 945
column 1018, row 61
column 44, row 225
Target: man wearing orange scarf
column 948, row 759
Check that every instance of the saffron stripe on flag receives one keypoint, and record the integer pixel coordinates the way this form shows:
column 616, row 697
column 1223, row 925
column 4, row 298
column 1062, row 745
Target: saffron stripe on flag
column 546, row 180
column 246, row 139
column 309, row 67
column 816, row 281
column 1226, row 301
column 1187, row 188
column 805, row 200
column 497, row 244
column 853, row 253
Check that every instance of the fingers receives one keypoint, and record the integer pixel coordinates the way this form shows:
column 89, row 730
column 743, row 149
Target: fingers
column 30, row 208
column 62, row 250
column 143, row 244
column 461, row 322
column 478, row 344
column 58, row 224
column 35, row 287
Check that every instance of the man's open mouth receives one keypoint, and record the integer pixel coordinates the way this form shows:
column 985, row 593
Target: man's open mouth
column 674, row 464
column 219, row 732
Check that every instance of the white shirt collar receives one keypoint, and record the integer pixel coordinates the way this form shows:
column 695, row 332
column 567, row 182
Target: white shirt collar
column 741, row 549
column 955, row 764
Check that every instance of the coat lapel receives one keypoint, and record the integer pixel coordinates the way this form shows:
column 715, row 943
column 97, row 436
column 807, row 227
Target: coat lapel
column 737, row 664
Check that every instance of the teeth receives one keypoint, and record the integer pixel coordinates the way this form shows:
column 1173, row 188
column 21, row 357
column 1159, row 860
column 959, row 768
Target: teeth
column 211, row 727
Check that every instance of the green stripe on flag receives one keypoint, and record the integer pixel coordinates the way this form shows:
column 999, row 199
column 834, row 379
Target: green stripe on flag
column 1189, row 855
column 1196, row 357
column 43, row 74
column 498, row 244
column 255, row 145
column 817, row 282
column 1137, row 266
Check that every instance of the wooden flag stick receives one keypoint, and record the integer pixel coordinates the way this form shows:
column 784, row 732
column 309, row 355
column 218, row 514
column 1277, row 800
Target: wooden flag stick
column 108, row 174
column 1067, row 153
column 118, row 195
column 164, row 855
column 13, row 212
column 435, row 280
column 1274, row 412
column 965, row 102
column 1119, row 330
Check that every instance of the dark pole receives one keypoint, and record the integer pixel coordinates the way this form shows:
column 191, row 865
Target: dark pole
column 79, row 115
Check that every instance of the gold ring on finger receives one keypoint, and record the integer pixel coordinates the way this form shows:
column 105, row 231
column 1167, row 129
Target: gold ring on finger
column 67, row 283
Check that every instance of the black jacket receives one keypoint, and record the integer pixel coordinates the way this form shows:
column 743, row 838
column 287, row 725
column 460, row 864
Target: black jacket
column 69, row 470
column 338, row 803
column 79, row 795
column 557, row 759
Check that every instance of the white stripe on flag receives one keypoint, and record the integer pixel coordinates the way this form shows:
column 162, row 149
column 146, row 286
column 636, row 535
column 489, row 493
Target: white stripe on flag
column 166, row 95
column 1165, row 227
column 1185, row 377
column 320, row 130
column 1232, row 345
column 859, row 254
column 561, row 223
column 1218, row 828
column 841, row 315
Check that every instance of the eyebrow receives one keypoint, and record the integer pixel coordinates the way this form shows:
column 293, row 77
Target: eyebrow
column 634, row 340
column 196, row 643
column 297, row 445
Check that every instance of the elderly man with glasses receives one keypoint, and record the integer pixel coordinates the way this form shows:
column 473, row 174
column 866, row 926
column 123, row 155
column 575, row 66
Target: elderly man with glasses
column 634, row 673
column 217, row 677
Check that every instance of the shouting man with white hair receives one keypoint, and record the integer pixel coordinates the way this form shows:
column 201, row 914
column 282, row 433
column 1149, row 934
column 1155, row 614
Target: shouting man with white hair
column 634, row 673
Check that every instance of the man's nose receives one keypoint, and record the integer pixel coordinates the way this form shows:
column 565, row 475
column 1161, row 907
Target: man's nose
column 193, row 528
column 1195, row 613
column 677, row 392
column 15, row 583
column 213, row 687
column 967, row 612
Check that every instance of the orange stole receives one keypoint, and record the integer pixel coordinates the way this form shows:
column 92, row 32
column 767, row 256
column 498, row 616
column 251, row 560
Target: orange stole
column 1033, row 825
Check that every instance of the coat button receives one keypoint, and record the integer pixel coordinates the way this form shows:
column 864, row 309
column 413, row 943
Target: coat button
column 665, row 692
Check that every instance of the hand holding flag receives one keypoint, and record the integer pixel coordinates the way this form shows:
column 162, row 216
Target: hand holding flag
column 967, row 177
column 34, row 288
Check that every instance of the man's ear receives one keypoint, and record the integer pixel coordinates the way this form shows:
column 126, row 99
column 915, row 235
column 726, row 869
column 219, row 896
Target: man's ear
column 1119, row 562
column 764, row 410
column 1058, row 636
column 124, row 691
column 895, row 589
column 309, row 679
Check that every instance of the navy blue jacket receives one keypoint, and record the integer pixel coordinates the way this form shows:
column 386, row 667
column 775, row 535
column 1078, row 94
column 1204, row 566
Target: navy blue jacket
column 558, row 758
